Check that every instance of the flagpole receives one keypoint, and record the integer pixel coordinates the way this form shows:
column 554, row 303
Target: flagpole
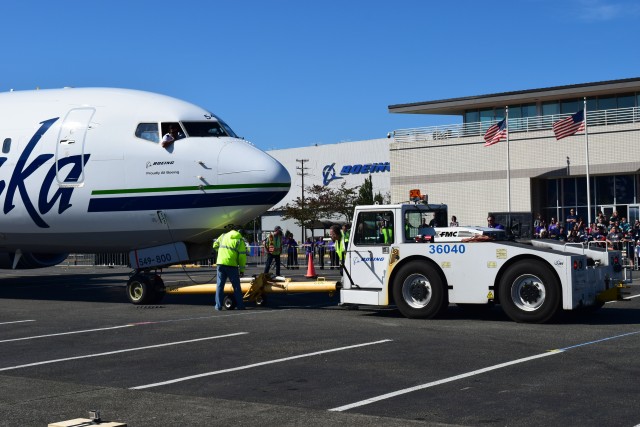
column 508, row 167
column 586, row 139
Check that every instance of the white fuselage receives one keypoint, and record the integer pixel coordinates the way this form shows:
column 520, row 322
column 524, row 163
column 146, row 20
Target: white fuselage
column 76, row 175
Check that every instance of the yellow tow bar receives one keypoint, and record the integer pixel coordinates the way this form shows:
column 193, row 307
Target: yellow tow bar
column 254, row 288
column 612, row 294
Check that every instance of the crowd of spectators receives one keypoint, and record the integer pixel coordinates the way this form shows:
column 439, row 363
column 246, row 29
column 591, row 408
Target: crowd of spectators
column 614, row 231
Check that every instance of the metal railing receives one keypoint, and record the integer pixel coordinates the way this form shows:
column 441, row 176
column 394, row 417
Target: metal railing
column 524, row 124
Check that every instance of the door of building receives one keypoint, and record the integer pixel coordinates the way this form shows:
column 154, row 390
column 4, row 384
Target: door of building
column 634, row 213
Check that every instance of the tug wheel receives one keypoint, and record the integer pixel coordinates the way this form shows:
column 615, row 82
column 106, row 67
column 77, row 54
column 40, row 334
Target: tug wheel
column 261, row 300
column 530, row 292
column 229, row 302
column 419, row 292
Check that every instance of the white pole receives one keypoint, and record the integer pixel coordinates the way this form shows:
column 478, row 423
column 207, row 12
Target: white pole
column 508, row 167
column 586, row 139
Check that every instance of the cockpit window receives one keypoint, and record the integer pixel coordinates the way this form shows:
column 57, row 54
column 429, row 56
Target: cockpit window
column 148, row 131
column 167, row 128
column 207, row 128
column 227, row 128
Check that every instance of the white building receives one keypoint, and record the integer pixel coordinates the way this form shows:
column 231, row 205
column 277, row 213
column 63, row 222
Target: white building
column 331, row 165
column 534, row 172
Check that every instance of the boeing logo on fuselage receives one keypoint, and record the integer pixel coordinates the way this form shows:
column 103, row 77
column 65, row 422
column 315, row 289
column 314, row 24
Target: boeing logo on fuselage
column 22, row 171
column 151, row 164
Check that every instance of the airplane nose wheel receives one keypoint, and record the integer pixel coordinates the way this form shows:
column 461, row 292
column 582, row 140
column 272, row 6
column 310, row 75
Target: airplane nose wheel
column 145, row 288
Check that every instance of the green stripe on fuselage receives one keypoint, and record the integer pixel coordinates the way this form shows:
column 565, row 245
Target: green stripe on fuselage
column 189, row 188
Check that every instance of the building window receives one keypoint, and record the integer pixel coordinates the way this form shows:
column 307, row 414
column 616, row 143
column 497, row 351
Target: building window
column 607, row 103
column 550, row 108
column 624, row 189
column 604, row 190
column 569, row 192
column 529, row 110
column 571, row 106
column 626, row 101
column 471, row 116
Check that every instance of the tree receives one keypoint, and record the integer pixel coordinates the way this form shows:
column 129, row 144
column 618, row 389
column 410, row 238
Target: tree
column 321, row 202
column 343, row 201
column 365, row 194
column 304, row 215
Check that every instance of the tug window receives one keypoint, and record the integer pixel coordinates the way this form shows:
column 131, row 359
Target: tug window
column 374, row 228
column 6, row 145
column 148, row 131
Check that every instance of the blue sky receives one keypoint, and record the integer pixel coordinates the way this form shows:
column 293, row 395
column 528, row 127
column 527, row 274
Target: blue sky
column 289, row 74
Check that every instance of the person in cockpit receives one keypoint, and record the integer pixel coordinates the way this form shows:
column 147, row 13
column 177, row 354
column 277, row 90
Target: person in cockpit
column 169, row 137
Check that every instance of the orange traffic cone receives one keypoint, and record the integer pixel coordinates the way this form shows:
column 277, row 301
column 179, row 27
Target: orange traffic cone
column 311, row 271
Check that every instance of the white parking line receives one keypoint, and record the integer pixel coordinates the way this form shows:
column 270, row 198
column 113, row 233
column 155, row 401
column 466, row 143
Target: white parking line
column 623, row 299
column 472, row 373
column 235, row 313
column 443, row 381
column 108, row 353
column 255, row 365
column 66, row 333
column 16, row 321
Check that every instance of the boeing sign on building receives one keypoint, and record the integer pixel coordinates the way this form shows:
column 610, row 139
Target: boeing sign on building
column 329, row 171
column 331, row 166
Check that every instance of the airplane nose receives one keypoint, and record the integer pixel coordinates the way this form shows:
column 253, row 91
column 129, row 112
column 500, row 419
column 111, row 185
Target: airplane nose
column 245, row 166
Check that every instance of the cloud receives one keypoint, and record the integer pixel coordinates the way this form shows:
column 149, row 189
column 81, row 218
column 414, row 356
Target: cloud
column 598, row 10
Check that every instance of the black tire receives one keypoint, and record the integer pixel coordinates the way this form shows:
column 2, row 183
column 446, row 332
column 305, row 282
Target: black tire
column 261, row 300
column 418, row 291
column 140, row 289
column 158, row 290
column 229, row 302
column 530, row 292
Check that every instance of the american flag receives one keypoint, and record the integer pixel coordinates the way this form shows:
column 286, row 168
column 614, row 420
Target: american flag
column 569, row 125
column 496, row 133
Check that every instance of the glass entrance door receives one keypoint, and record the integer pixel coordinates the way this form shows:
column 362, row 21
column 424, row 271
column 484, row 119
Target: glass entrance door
column 634, row 213
column 607, row 210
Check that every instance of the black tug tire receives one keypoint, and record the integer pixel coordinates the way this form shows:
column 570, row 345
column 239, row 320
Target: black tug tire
column 419, row 292
column 261, row 300
column 530, row 292
column 140, row 289
column 229, row 302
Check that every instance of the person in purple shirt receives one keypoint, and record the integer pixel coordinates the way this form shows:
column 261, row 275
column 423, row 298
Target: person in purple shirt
column 491, row 223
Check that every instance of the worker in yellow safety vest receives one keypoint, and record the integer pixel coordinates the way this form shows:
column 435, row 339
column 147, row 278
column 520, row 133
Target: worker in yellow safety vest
column 273, row 247
column 231, row 261
column 387, row 233
column 346, row 234
column 336, row 235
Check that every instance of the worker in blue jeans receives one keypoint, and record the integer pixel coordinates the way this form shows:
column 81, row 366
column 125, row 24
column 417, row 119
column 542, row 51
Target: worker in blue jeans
column 230, row 262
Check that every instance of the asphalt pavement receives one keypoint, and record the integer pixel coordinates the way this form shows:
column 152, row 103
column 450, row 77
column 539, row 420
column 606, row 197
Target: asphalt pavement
column 70, row 342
